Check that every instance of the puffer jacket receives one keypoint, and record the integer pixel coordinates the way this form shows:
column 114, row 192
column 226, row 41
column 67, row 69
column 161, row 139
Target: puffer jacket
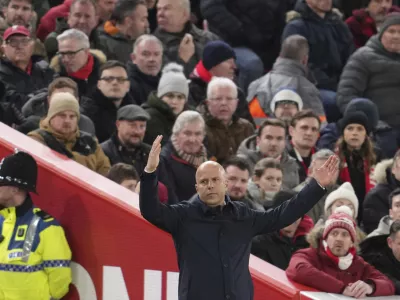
column 330, row 40
column 248, row 150
column 256, row 24
column 96, row 160
column 376, row 202
column 286, row 73
column 373, row 73
column 171, row 42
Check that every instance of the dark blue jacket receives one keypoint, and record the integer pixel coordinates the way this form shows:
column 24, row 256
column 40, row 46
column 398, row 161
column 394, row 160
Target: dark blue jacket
column 330, row 40
column 213, row 244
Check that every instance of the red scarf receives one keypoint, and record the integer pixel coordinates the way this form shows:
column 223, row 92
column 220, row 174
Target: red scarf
column 201, row 72
column 300, row 159
column 84, row 72
column 344, row 176
column 342, row 262
column 29, row 68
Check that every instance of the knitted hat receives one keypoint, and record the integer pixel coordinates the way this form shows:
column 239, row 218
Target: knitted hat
column 391, row 19
column 345, row 191
column 341, row 218
column 357, row 117
column 173, row 80
column 216, row 52
column 60, row 102
column 366, row 106
column 20, row 170
column 286, row 95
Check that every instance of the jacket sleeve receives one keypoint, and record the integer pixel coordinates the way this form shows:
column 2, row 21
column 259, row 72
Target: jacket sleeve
column 353, row 81
column 288, row 212
column 165, row 217
column 102, row 161
column 303, row 270
column 383, row 285
column 374, row 209
column 56, row 259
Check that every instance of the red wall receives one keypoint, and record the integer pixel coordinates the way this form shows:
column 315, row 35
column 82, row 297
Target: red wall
column 104, row 227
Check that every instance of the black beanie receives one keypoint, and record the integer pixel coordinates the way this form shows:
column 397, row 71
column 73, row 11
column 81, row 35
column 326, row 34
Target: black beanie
column 216, row 52
column 390, row 19
column 355, row 118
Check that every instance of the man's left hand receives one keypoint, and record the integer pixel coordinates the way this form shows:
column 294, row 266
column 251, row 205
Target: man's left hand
column 360, row 289
column 327, row 174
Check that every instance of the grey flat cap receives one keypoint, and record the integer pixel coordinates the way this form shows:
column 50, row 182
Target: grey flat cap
column 132, row 112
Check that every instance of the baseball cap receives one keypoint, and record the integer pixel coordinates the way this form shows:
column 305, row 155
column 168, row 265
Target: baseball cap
column 16, row 29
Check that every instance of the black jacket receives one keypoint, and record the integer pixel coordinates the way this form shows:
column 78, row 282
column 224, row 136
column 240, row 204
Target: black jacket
column 141, row 84
column 117, row 153
column 213, row 245
column 103, row 113
column 20, row 84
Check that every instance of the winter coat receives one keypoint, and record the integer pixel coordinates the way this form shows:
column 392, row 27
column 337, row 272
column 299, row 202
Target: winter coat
column 375, row 251
column 258, row 199
column 162, row 119
column 103, row 112
column 223, row 141
column 51, row 43
column 304, row 163
column 348, row 7
column 88, row 86
column 198, row 93
column 330, row 40
column 373, row 73
column 286, row 73
column 117, row 153
column 278, row 249
column 19, row 84
column 47, row 23
column 95, row 159
column 362, row 25
column 376, row 203
column 248, row 150
column 383, row 227
column 10, row 115
column 114, row 44
column 171, row 42
column 141, row 84
column 256, row 24
column 318, row 210
column 314, row 268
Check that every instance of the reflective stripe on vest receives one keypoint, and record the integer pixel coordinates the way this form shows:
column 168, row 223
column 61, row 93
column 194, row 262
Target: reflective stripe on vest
column 30, row 236
column 35, row 268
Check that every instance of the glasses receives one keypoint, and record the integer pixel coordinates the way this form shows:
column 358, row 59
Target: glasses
column 20, row 42
column 110, row 79
column 220, row 99
column 69, row 54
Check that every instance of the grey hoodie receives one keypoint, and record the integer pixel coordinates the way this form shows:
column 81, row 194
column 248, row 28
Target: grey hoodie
column 383, row 227
column 248, row 150
column 259, row 199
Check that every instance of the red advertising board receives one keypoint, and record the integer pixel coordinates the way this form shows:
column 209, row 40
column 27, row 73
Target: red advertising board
column 116, row 253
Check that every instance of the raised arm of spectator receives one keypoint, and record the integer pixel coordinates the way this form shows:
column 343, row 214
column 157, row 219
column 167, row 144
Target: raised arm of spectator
column 299, row 205
column 166, row 217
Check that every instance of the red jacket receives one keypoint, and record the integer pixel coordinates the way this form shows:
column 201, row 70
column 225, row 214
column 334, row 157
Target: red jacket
column 314, row 268
column 362, row 26
column 48, row 22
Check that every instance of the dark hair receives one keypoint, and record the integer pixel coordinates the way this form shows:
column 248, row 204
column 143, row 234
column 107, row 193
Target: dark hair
column 238, row 162
column 266, row 163
column 303, row 114
column 393, row 194
column 124, row 8
column 294, row 47
column 120, row 172
column 271, row 122
column 7, row 2
column 92, row 2
column 394, row 229
column 110, row 65
column 63, row 82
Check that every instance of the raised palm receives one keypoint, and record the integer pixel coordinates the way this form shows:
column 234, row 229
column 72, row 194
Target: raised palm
column 326, row 175
column 154, row 155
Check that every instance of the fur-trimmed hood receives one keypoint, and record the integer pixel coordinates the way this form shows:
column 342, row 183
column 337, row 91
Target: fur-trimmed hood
column 55, row 63
column 380, row 171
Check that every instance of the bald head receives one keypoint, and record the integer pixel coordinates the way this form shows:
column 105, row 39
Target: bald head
column 211, row 183
column 207, row 167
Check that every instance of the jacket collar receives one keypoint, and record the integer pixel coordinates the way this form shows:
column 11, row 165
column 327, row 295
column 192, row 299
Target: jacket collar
column 214, row 210
column 134, row 72
column 121, row 148
column 24, row 207
column 107, row 104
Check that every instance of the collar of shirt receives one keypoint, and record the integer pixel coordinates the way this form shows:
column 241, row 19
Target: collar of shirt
column 208, row 210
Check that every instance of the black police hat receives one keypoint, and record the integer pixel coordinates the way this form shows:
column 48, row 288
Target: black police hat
column 20, row 170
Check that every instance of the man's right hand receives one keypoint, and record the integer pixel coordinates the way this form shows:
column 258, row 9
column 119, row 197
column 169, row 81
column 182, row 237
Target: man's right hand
column 186, row 48
column 154, row 156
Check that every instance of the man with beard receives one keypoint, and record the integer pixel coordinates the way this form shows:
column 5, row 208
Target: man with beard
column 237, row 172
column 110, row 95
column 59, row 131
column 366, row 22
column 125, row 145
column 332, row 265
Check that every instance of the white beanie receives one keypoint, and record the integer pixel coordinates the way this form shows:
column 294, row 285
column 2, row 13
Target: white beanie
column 286, row 95
column 173, row 81
column 345, row 191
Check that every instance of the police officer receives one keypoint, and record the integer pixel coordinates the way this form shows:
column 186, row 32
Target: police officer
column 34, row 253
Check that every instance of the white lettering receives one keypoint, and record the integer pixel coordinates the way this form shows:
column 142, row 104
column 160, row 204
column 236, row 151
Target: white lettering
column 172, row 285
column 83, row 282
column 152, row 285
column 114, row 287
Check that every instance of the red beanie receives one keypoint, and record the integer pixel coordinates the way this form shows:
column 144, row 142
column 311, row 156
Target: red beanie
column 341, row 218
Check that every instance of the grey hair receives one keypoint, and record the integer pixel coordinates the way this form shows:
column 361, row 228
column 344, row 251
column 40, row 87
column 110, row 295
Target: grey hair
column 75, row 34
column 189, row 116
column 186, row 5
column 220, row 82
column 322, row 154
column 144, row 38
